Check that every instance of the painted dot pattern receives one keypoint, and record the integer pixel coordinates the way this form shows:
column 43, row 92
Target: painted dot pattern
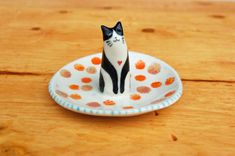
column 170, row 93
column 140, row 64
column 62, row 94
column 135, row 97
column 143, row 89
column 154, row 68
column 75, row 96
column 91, row 70
column 156, row 84
column 65, row 73
column 79, row 67
column 96, row 60
column 74, row 87
column 93, row 104
column 127, row 107
column 86, row 87
column 158, row 101
column 142, row 77
column 86, row 80
column 169, row 81
column 109, row 102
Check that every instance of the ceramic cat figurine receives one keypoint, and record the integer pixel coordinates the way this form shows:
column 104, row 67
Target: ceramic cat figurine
column 114, row 73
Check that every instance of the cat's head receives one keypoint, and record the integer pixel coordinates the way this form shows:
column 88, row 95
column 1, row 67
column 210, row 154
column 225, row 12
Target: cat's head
column 113, row 36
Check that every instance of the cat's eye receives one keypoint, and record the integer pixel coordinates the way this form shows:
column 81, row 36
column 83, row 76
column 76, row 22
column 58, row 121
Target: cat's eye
column 119, row 31
column 108, row 35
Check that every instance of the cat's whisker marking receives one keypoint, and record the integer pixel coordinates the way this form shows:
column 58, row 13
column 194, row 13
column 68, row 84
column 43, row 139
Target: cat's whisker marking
column 110, row 44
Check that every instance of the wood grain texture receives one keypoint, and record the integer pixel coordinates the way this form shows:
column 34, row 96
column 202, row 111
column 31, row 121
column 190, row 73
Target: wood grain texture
column 33, row 124
column 195, row 37
column 199, row 44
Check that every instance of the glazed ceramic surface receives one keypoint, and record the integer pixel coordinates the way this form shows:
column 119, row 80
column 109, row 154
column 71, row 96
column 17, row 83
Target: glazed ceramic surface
column 115, row 68
column 154, row 85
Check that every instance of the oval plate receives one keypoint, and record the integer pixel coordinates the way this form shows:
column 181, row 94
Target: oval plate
column 154, row 85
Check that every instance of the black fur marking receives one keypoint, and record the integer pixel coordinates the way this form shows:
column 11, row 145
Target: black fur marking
column 118, row 28
column 102, row 84
column 108, row 32
column 109, row 68
column 125, row 70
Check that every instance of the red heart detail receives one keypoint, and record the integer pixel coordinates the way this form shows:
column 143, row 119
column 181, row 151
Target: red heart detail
column 119, row 62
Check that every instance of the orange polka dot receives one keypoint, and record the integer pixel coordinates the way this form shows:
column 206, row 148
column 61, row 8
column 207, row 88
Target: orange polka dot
column 86, row 80
column 65, row 73
column 135, row 97
column 127, row 107
column 156, row 84
column 75, row 96
column 79, row 67
column 140, row 64
column 96, row 60
column 86, row 87
column 169, row 81
column 93, row 104
column 109, row 102
column 140, row 77
column 74, row 86
column 170, row 93
column 143, row 89
column 62, row 94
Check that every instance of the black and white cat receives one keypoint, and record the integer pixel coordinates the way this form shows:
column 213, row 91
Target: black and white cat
column 114, row 73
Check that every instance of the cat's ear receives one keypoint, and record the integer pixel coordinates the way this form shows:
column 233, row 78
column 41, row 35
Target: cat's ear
column 118, row 28
column 107, row 32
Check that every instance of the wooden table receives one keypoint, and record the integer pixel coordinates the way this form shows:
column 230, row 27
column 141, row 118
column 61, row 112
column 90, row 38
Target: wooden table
column 196, row 37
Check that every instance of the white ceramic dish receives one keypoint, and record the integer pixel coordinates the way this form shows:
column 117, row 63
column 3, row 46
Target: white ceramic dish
column 154, row 85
